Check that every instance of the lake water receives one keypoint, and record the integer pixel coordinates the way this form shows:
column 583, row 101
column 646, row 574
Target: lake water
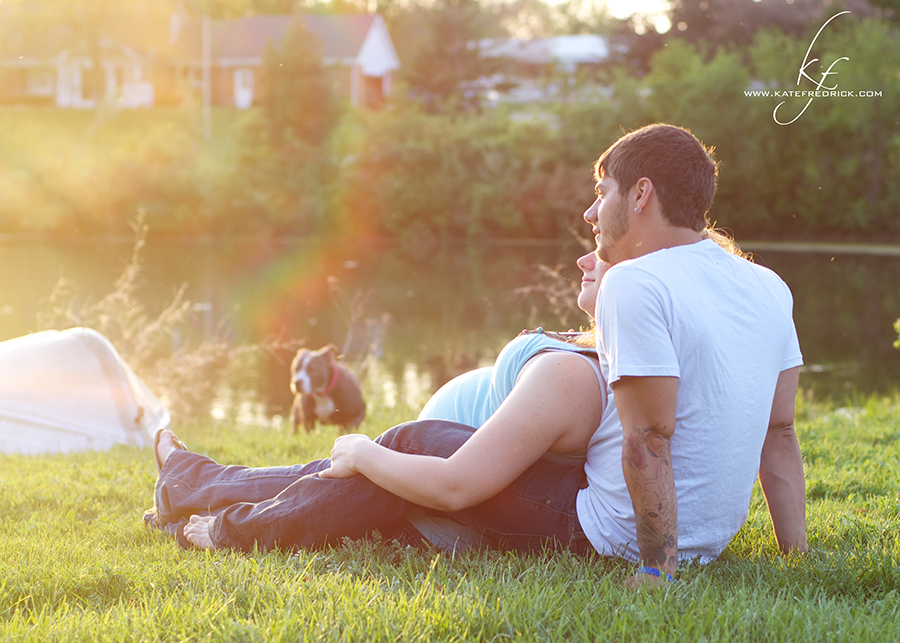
column 846, row 299
column 431, row 312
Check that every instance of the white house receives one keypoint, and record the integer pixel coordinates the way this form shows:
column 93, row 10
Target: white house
column 565, row 53
column 539, row 69
column 65, row 72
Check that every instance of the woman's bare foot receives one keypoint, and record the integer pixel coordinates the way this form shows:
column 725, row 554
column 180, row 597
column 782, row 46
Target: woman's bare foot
column 164, row 446
column 197, row 531
column 166, row 442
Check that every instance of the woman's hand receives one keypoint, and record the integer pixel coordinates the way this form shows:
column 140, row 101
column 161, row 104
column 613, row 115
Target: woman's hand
column 344, row 455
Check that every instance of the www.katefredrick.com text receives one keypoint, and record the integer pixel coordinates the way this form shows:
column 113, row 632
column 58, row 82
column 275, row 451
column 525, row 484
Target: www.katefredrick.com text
column 811, row 93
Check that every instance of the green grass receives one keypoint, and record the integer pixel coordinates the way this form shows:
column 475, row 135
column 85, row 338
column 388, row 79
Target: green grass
column 76, row 563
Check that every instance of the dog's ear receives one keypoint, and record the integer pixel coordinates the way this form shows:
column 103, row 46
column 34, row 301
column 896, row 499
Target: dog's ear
column 335, row 351
column 298, row 358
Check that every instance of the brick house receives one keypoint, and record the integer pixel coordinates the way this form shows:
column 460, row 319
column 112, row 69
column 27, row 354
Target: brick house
column 356, row 49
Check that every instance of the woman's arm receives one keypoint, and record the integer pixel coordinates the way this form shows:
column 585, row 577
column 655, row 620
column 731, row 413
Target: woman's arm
column 556, row 404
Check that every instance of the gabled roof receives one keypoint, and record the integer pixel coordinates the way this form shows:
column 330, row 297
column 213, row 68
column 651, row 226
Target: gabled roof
column 57, row 43
column 342, row 36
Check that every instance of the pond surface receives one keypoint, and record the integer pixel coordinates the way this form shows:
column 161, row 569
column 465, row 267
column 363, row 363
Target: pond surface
column 846, row 300
column 428, row 313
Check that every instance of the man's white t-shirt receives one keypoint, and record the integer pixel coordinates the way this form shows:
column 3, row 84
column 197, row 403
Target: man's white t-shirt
column 724, row 327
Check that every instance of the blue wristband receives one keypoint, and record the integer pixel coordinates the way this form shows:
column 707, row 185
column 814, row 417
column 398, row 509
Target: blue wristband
column 655, row 572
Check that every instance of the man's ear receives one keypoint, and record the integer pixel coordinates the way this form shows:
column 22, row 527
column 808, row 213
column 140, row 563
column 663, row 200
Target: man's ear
column 641, row 191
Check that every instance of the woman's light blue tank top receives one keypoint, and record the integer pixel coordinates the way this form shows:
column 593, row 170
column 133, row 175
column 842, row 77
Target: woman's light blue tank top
column 473, row 397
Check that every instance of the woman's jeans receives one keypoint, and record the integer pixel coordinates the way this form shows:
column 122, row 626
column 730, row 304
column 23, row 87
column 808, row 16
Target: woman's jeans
column 291, row 507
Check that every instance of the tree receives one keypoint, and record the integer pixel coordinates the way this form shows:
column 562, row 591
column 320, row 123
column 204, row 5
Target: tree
column 288, row 155
column 299, row 103
column 583, row 17
column 440, row 46
column 890, row 9
column 736, row 22
column 529, row 19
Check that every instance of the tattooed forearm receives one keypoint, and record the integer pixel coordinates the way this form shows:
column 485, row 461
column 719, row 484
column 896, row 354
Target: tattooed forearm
column 655, row 545
column 647, row 465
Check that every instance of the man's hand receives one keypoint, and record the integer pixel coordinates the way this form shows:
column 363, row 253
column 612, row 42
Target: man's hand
column 645, row 578
column 344, row 454
column 646, row 407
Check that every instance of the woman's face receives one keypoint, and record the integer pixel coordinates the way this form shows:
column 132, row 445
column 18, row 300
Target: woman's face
column 593, row 270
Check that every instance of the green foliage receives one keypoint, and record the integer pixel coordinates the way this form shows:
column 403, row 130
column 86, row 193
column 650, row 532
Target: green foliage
column 422, row 177
column 831, row 173
column 299, row 105
column 76, row 564
column 434, row 176
column 734, row 22
column 299, row 166
column 436, row 43
column 285, row 185
column 284, row 170
column 890, row 8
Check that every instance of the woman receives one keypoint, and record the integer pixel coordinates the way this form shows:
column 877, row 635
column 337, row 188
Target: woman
column 543, row 396
column 473, row 397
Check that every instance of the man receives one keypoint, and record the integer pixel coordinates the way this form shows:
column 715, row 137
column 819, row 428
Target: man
column 701, row 355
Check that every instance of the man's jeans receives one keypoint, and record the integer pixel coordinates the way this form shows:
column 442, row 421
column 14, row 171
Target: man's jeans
column 291, row 507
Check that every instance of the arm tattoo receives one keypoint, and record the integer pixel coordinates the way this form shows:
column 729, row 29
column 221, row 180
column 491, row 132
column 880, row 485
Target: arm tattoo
column 647, row 463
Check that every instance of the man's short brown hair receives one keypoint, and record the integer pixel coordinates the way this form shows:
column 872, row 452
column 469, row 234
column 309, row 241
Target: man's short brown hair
column 682, row 170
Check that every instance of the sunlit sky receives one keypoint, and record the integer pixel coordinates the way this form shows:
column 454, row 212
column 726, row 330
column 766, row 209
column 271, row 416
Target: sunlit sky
column 625, row 8
column 653, row 9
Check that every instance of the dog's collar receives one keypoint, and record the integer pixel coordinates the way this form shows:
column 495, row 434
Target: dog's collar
column 330, row 386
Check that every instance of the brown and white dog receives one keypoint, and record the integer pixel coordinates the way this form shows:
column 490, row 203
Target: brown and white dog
column 324, row 390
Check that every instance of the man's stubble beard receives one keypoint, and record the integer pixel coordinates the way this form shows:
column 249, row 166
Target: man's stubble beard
column 616, row 229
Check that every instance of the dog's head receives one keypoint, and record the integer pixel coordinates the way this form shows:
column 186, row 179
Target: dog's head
column 311, row 371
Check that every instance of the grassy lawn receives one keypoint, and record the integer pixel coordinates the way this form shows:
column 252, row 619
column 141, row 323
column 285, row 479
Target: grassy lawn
column 77, row 565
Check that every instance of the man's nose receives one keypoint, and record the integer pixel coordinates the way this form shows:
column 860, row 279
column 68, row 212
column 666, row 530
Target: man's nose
column 590, row 215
